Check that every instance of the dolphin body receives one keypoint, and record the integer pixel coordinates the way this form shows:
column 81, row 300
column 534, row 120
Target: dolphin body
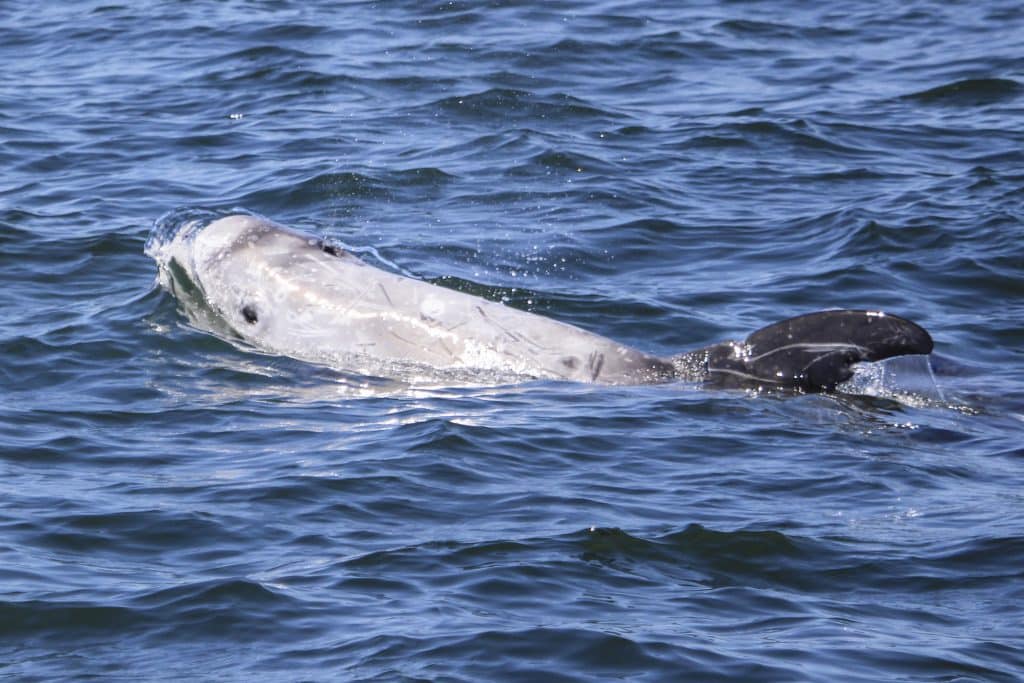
column 288, row 293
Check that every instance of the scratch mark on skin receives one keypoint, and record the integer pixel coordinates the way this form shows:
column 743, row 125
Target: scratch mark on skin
column 446, row 349
column 402, row 339
column 745, row 376
column 509, row 333
column 594, row 364
column 823, row 349
column 353, row 302
column 385, row 292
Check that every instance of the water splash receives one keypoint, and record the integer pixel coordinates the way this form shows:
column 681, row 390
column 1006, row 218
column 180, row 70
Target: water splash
column 906, row 379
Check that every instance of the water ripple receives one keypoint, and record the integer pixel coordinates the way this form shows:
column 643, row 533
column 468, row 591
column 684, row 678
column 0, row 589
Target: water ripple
column 177, row 506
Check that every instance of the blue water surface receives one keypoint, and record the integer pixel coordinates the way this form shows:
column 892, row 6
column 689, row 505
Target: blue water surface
column 176, row 507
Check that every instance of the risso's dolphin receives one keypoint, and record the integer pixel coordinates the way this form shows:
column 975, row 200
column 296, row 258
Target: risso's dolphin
column 285, row 292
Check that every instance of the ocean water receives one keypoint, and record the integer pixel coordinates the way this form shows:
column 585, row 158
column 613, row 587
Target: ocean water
column 176, row 507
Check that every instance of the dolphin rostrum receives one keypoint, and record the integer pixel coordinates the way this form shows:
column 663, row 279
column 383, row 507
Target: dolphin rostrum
column 289, row 293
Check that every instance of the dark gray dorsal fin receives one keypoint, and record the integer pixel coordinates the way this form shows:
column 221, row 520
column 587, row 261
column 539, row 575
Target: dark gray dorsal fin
column 814, row 351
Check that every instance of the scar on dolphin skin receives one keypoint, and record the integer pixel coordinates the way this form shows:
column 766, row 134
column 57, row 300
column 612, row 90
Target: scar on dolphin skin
column 444, row 347
column 401, row 338
column 385, row 292
column 509, row 333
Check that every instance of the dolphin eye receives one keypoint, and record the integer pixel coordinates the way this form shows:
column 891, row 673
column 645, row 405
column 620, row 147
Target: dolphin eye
column 249, row 313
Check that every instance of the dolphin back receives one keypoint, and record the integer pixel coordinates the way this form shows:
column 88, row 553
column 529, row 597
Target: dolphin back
column 288, row 293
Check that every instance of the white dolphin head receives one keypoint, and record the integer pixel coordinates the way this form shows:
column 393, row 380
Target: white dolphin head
column 218, row 265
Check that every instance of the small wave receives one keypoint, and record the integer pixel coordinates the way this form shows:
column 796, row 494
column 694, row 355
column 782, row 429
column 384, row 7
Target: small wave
column 561, row 162
column 416, row 184
column 319, row 189
column 429, row 176
column 716, row 142
column 211, row 607
column 797, row 134
column 134, row 531
column 229, row 593
column 62, row 619
column 260, row 53
column 775, row 30
column 712, row 557
column 520, row 104
column 970, row 92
